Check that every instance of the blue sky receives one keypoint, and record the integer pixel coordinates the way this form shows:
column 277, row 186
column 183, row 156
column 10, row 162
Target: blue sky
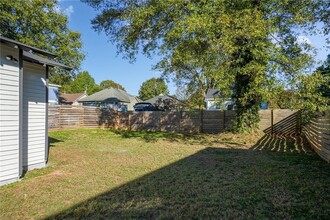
column 102, row 61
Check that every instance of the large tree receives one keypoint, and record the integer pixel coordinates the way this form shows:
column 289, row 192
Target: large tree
column 106, row 84
column 152, row 87
column 39, row 23
column 83, row 82
column 240, row 44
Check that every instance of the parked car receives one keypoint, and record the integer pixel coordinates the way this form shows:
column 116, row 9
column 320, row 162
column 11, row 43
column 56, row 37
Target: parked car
column 146, row 106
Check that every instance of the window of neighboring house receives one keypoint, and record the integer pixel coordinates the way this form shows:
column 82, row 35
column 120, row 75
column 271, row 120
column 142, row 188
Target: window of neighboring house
column 217, row 105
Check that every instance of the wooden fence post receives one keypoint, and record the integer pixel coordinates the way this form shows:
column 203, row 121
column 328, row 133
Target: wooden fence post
column 143, row 113
column 116, row 119
column 60, row 118
column 272, row 121
column 160, row 121
column 83, row 116
column 224, row 120
column 298, row 123
column 180, row 121
column 201, row 123
column 129, row 121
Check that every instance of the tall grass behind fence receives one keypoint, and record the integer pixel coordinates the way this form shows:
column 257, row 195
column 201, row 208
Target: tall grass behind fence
column 317, row 133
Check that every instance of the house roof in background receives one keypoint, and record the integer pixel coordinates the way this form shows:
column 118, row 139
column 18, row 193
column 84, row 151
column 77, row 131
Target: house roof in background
column 212, row 93
column 108, row 95
column 70, row 98
column 134, row 99
column 162, row 97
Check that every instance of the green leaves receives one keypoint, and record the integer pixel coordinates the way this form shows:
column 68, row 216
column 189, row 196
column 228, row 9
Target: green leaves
column 106, row 84
column 219, row 44
column 38, row 23
column 83, row 82
column 325, row 71
column 152, row 87
column 308, row 95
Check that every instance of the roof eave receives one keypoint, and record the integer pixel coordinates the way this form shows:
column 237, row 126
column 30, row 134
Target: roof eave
column 105, row 101
column 26, row 47
column 43, row 61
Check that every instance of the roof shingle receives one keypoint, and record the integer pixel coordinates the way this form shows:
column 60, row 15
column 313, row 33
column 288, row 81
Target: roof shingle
column 108, row 95
column 70, row 98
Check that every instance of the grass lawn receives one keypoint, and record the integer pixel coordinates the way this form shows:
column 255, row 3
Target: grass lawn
column 98, row 173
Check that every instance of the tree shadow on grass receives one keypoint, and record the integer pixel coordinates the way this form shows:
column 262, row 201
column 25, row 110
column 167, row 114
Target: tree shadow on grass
column 284, row 136
column 219, row 183
column 186, row 138
column 291, row 143
column 148, row 136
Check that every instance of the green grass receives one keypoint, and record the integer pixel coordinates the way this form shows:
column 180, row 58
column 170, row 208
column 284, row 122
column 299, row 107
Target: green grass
column 96, row 174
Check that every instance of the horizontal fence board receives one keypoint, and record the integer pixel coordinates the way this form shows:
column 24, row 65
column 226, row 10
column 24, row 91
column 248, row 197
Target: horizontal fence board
column 317, row 133
column 216, row 121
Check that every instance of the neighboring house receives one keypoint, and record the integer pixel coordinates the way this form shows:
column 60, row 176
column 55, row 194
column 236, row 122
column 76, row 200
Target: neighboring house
column 214, row 101
column 157, row 99
column 133, row 101
column 71, row 99
column 112, row 98
column 23, row 108
column 53, row 94
column 165, row 102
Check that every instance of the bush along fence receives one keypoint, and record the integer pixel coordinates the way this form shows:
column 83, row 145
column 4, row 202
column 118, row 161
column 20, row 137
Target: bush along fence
column 276, row 122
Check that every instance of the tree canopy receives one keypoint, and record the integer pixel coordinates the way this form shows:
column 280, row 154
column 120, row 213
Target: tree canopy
column 240, row 45
column 39, row 23
column 325, row 71
column 106, row 84
column 152, row 87
column 83, row 82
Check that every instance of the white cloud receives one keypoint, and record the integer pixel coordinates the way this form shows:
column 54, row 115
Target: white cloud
column 303, row 40
column 68, row 11
column 57, row 9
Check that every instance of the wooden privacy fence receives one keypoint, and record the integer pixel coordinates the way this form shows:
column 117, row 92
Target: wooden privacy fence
column 66, row 116
column 153, row 121
column 279, row 121
column 317, row 133
column 69, row 116
column 271, row 121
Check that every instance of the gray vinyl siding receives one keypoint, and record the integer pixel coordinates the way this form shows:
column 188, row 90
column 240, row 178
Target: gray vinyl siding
column 9, row 115
column 34, row 114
